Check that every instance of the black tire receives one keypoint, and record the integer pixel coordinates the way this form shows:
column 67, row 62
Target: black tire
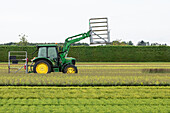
column 42, row 61
column 70, row 66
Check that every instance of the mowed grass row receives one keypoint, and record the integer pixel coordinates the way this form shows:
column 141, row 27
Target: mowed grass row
column 99, row 79
column 92, row 74
column 85, row 99
column 113, row 92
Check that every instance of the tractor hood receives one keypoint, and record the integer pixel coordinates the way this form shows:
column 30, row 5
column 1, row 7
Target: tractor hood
column 70, row 60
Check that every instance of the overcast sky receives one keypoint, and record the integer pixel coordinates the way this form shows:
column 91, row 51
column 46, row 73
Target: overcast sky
column 55, row 20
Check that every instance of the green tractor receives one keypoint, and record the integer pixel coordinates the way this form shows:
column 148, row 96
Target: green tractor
column 51, row 60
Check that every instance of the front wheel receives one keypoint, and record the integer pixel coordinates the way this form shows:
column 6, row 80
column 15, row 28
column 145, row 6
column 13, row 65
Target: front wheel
column 70, row 69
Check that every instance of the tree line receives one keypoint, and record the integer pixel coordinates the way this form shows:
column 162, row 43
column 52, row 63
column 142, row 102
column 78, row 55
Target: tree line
column 24, row 42
column 140, row 43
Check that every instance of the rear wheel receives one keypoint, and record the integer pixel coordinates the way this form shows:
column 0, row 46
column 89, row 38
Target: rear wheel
column 70, row 69
column 42, row 67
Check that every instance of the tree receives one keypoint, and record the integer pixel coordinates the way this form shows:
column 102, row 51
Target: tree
column 23, row 40
column 141, row 43
column 10, row 43
column 120, row 43
column 147, row 43
column 130, row 43
column 157, row 44
column 123, row 43
column 116, row 42
column 80, row 44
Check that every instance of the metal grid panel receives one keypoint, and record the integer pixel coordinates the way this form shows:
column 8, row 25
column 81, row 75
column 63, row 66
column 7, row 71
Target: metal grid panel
column 17, row 56
column 100, row 33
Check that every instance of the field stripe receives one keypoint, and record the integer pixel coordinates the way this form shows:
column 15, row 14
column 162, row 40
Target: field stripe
column 95, row 87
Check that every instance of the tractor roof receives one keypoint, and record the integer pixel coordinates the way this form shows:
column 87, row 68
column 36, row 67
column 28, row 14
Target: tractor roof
column 47, row 45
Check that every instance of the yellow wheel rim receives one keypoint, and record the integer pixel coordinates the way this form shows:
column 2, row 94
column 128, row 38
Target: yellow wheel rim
column 42, row 68
column 71, row 70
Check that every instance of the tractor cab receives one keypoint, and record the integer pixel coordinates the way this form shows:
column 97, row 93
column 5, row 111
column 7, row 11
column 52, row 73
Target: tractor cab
column 48, row 51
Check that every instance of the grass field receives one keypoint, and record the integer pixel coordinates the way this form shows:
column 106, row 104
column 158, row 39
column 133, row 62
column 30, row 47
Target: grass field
column 85, row 99
column 93, row 74
column 98, row 87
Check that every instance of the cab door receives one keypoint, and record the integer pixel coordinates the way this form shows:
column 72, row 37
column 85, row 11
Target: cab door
column 53, row 55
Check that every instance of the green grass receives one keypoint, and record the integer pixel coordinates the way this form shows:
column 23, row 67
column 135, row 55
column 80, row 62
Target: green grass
column 130, row 90
column 85, row 99
column 93, row 74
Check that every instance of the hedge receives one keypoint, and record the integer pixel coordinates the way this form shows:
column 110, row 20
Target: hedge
column 121, row 53
column 5, row 49
column 104, row 53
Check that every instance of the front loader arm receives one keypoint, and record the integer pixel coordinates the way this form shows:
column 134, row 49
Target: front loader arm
column 71, row 40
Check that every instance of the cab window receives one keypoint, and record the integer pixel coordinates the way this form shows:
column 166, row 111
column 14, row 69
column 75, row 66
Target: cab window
column 42, row 52
column 52, row 53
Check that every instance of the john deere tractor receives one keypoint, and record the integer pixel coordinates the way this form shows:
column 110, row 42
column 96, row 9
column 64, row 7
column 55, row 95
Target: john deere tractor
column 50, row 60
